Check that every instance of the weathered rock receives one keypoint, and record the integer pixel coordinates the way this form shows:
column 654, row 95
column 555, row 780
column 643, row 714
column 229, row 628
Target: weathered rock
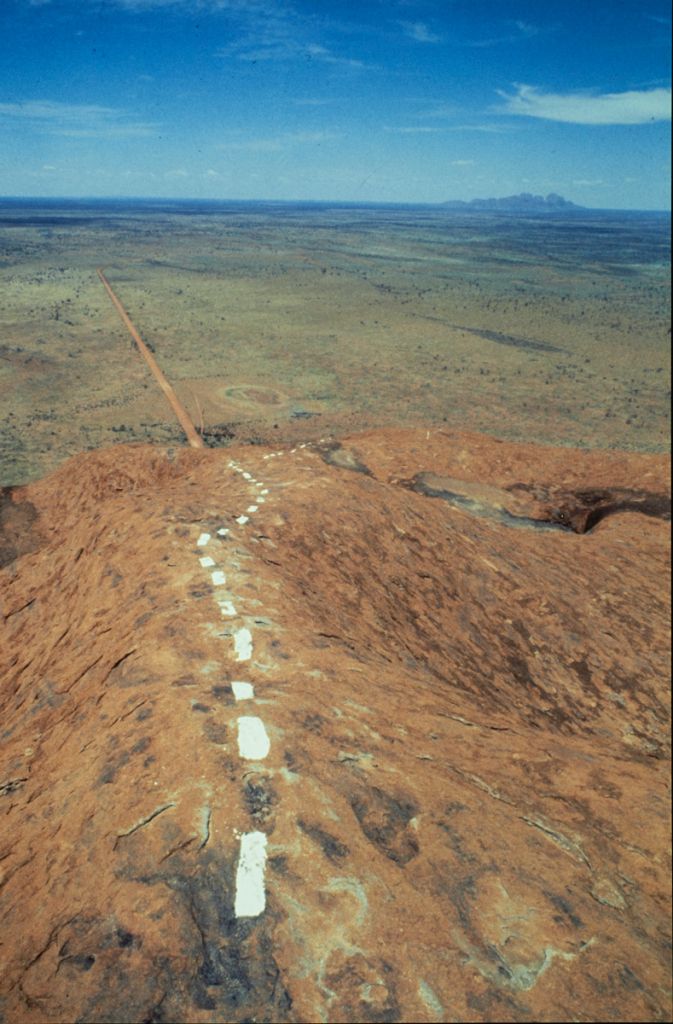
column 464, row 802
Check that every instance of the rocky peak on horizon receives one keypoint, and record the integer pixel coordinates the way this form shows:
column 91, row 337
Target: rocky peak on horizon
column 524, row 202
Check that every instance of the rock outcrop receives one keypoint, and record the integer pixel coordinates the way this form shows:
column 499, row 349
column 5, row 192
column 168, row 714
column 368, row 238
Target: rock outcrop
column 525, row 202
column 287, row 737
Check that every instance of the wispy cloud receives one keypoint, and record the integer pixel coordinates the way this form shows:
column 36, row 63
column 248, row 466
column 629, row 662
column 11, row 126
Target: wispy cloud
column 306, row 101
column 261, row 30
column 514, row 32
column 75, row 120
column 419, row 129
column 317, row 52
column 590, row 107
column 449, row 112
column 278, row 143
column 441, row 110
column 419, row 31
column 289, row 50
column 485, row 128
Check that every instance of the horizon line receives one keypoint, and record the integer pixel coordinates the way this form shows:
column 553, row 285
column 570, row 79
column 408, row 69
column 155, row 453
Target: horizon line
column 336, row 202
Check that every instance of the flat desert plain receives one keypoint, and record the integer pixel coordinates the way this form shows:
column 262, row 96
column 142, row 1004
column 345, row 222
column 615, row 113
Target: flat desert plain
column 281, row 322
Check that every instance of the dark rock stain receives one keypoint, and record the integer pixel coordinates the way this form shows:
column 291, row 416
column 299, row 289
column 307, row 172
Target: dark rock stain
column 333, row 849
column 365, row 990
column 334, row 455
column 384, row 821
column 566, row 909
column 260, row 799
column 225, row 965
column 216, row 732
column 19, row 534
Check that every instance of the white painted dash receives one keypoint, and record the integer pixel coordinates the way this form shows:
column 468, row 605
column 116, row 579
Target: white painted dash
column 203, row 540
column 243, row 691
column 227, row 609
column 247, row 476
column 253, row 742
column 265, row 491
column 222, row 532
column 250, row 895
column 243, row 644
column 242, row 520
column 251, row 508
column 218, row 578
column 207, row 561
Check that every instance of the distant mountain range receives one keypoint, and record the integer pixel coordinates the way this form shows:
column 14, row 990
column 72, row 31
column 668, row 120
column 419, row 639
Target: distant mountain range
column 525, row 202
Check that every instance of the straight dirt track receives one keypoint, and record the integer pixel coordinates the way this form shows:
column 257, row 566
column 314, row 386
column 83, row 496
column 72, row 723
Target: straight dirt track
column 172, row 399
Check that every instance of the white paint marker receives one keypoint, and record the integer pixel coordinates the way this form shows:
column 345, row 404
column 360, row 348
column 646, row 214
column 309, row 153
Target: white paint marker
column 203, row 540
column 265, row 491
column 247, row 476
column 252, row 508
column 250, row 896
column 253, row 742
column 243, row 691
column 243, row 644
column 207, row 561
column 242, row 520
column 218, row 578
column 222, row 532
column 227, row 609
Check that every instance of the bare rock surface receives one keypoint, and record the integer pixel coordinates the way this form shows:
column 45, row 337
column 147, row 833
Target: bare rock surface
column 458, row 780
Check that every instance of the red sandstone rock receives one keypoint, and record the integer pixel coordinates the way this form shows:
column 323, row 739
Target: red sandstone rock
column 465, row 799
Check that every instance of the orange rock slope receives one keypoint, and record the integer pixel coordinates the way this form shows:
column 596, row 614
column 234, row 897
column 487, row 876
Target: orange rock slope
column 339, row 733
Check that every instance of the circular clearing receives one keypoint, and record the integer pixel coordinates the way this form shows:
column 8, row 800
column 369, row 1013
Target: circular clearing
column 253, row 393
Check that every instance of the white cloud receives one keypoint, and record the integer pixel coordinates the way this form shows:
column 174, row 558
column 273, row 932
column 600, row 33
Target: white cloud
column 313, row 50
column 519, row 31
column 633, row 107
column 50, row 109
column 526, row 29
column 278, row 143
column 419, row 31
column 75, row 120
column 289, row 50
column 462, row 163
column 309, row 102
column 487, row 129
column 442, row 110
column 412, row 129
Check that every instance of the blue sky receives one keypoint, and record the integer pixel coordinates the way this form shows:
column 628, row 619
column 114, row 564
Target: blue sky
column 395, row 101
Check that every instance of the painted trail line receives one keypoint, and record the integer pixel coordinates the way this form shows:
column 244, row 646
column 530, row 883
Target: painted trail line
column 253, row 740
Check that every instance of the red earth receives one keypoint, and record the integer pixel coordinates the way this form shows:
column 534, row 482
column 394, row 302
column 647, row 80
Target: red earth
column 458, row 649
